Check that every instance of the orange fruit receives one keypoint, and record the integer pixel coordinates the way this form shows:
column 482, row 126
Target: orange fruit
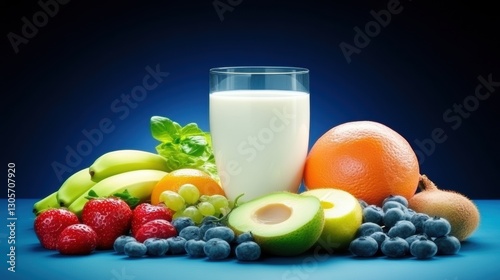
column 365, row 158
column 173, row 180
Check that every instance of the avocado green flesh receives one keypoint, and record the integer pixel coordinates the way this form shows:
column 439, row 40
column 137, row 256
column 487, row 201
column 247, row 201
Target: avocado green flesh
column 282, row 223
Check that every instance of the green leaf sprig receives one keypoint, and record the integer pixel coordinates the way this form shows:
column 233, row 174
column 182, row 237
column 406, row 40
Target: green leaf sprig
column 184, row 147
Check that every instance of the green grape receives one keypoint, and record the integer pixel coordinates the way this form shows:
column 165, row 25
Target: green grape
column 203, row 198
column 193, row 213
column 190, row 193
column 206, row 208
column 173, row 200
column 219, row 202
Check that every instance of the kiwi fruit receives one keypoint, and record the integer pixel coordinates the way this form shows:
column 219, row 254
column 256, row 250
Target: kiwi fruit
column 459, row 210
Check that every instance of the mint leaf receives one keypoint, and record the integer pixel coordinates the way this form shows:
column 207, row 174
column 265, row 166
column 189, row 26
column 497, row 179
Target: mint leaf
column 191, row 129
column 163, row 129
column 194, row 145
column 208, row 138
column 178, row 127
column 184, row 147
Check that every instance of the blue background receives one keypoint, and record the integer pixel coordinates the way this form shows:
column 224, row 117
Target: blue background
column 427, row 59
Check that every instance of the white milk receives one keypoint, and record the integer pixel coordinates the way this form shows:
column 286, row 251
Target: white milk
column 260, row 139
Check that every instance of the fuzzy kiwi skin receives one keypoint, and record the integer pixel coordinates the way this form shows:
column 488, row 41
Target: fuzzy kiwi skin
column 460, row 211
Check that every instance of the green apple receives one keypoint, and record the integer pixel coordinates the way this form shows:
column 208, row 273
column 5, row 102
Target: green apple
column 282, row 223
column 343, row 216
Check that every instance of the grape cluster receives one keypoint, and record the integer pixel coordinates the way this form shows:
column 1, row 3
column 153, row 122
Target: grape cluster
column 188, row 202
column 396, row 231
column 210, row 239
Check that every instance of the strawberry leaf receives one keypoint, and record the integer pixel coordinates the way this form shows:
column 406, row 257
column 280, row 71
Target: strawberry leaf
column 130, row 200
column 91, row 195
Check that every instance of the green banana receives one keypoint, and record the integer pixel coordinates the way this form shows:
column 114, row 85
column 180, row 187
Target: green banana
column 120, row 161
column 47, row 202
column 76, row 185
column 138, row 183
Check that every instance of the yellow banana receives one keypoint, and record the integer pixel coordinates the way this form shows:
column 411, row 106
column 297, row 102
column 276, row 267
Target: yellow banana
column 139, row 184
column 76, row 185
column 47, row 202
column 120, row 161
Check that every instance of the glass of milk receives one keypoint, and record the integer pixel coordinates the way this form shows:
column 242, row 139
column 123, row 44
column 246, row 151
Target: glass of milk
column 259, row 122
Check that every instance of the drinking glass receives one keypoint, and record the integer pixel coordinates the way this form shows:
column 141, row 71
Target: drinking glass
column 259, row 122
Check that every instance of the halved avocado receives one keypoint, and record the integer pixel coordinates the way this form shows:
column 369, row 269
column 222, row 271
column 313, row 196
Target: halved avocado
column 282, row 223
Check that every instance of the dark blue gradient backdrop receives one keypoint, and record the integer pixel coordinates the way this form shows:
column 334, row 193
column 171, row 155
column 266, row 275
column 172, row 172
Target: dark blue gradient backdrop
column 417, row 74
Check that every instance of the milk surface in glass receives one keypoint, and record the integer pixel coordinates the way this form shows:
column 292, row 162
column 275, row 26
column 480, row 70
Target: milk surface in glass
column 260, row 138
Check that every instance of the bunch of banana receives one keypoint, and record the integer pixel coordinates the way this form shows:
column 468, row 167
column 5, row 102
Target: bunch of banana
column 138, row 183
column 120, row 161
column 47, row 202
column 76, row 185
column 117, row 165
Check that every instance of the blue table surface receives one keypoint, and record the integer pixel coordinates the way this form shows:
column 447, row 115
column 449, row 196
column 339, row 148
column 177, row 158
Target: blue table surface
column 479, row 258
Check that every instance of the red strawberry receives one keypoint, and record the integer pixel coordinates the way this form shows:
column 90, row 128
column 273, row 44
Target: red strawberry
column 77, row 239
column 156, row 228
column 146, row 212
column 50, row 223
column 109, row 218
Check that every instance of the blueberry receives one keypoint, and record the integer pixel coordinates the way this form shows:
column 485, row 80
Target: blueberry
column 194, row 248
column 176, row 245
column 362, row 203
column 409, row 213
column 156, row 246
column 217, row 249
column 246, row 236
column 182, row 222
column 248, row 251
column 437, row 227
column 373, row 214
column 119, row 244
column 221, row 232
column 402, row 229
column 392, row 216
column 135, row 249
column 392, row 204
column 447, row 245
column 414, row 237
column 209, row 219
column 190, row 232
column 397, row 198
column 418, row 220
column 395, row 247
column 208, row 224
column 367, row 229
column 364, row 246
column 380, row 237
column 423, row 248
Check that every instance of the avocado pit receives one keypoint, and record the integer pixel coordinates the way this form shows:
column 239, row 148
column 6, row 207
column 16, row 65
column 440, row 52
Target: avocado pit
column 272, row 214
